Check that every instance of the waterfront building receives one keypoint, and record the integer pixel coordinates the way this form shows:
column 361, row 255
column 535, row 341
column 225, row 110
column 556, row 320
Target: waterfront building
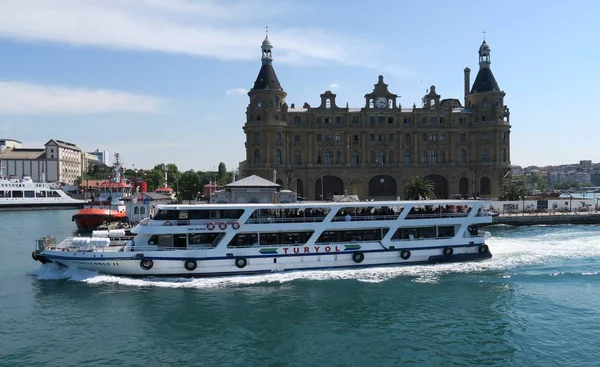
column 253, row 189
column 58, row 161
column 370, row 151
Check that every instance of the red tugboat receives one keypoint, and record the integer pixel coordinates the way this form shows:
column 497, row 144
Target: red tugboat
column 108, row 206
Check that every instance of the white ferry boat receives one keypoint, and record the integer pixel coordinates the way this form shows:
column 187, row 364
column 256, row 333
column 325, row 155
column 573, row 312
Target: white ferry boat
column 230, row 239
column 26, row 194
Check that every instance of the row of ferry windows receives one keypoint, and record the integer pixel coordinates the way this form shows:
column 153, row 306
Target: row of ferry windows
column 382, row 137
column 380, row 157
column 296, row 238
column 28, row 194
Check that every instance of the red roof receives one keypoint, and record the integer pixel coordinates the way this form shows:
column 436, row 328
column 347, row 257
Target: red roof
column 160, row 189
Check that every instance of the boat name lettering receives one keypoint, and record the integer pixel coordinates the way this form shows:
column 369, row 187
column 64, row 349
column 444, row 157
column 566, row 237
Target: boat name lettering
column 307, row 250
column 193, row 229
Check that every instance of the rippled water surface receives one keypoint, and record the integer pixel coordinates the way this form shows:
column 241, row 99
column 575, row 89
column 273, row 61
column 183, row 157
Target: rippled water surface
column 534, row 304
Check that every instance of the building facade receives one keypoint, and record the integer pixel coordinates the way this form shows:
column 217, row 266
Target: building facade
column 103, row 156
column 370, row 151
column 58, row 161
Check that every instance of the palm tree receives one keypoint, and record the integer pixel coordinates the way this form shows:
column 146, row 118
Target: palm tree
column 417, row 188
column 512, row 191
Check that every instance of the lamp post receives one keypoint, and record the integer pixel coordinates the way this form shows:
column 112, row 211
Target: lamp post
column 523, row 198
column 570, row 203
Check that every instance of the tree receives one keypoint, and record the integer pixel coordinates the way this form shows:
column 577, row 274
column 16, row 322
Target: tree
column 417, row 188
column 189, row 185
column 222, row 171
column 513, row 191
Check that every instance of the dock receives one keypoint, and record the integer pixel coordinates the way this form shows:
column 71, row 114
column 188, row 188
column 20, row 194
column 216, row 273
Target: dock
column 532, row 219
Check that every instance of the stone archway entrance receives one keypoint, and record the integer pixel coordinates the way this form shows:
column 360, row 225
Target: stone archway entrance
column 328, row 185
column 440, row 185
column 485, row 186
column 383, row 186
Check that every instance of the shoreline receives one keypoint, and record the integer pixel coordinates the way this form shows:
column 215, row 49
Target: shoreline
column 532, row 219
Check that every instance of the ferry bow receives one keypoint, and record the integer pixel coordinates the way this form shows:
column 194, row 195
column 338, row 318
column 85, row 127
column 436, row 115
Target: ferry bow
column 229, row 239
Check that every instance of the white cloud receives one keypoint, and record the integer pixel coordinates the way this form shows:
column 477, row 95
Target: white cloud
column 18, row 98
column 213, row 29
column 239, row 91
column 334, row 85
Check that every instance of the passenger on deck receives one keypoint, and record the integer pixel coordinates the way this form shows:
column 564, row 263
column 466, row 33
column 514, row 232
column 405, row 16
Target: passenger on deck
column 348, row 217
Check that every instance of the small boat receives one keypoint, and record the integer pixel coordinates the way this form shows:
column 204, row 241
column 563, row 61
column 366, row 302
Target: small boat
column 203, row 240
column 18, row 194
column 88, row 219
column 108, row 206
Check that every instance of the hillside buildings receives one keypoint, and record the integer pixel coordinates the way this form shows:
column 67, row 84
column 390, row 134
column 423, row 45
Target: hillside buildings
column 462, row 145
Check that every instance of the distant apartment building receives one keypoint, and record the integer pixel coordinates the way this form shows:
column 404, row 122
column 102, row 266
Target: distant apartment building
column 103, row 156
column 58, row 161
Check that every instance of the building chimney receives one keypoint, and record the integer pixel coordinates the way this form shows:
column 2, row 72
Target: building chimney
column 467, row 83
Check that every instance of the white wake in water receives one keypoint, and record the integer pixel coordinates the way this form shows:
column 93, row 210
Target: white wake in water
column 508, row 253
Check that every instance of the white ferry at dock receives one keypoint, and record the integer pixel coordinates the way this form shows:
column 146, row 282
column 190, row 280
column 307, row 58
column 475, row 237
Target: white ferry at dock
column 228, row 239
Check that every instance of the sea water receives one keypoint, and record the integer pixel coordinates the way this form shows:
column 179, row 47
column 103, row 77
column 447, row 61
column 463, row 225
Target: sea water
column 535, row 303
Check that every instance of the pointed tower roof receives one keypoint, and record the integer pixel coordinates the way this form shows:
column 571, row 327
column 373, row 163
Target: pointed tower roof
column 485, row 81
column 267, row 79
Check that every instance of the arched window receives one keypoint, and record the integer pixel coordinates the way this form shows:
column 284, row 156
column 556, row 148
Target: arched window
column 391, row 156
column 143, row 210
column 423, row 156
column 257, row 156
column 485, row 155
column 355, row 157
column 319, row 158
column 381, row 157
column 371, row 104
column 463, row 156
column 407, row 157
column 372, row 157
column 136, row 210
column 338, row 157
column 328, row 157
column 278, row 156
column 442, row 156
column 433, row 156
column 504, row 155
column 327, row 103
column 297, row 157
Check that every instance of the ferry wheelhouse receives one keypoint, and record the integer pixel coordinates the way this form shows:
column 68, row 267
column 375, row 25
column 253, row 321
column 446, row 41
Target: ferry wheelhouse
column 230, row 239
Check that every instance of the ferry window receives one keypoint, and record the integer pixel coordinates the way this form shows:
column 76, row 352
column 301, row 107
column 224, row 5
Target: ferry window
column 166, row 215
column 54, row 194
column 446, row 231
column 284, row 238
column 40, row 194
column 357, row 235
column 4, row 194
column 183, row 214
column 243, row 240
column 215, row 214
column 162, row 240
column 17, row 194
column 29, row 194
column 204, row 238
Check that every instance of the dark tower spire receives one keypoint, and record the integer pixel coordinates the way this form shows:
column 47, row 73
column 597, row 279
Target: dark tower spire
column 267, row 79
column 485, row 81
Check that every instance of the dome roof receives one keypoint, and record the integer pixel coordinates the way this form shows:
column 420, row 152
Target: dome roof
column 267, row 42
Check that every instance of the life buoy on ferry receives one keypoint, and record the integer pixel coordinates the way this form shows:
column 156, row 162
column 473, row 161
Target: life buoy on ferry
column 483, row 249
column 235, row 225
column 448, row 251
column 223, row 226
column 210, row 226
column 241, row 262
column 146, row 264
column 190, row 265
column 358, row 257
column 405, row 254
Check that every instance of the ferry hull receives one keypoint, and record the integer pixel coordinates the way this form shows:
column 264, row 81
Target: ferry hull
column 121, row 263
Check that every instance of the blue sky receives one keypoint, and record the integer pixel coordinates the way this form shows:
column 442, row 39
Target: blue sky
column 166, row 80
